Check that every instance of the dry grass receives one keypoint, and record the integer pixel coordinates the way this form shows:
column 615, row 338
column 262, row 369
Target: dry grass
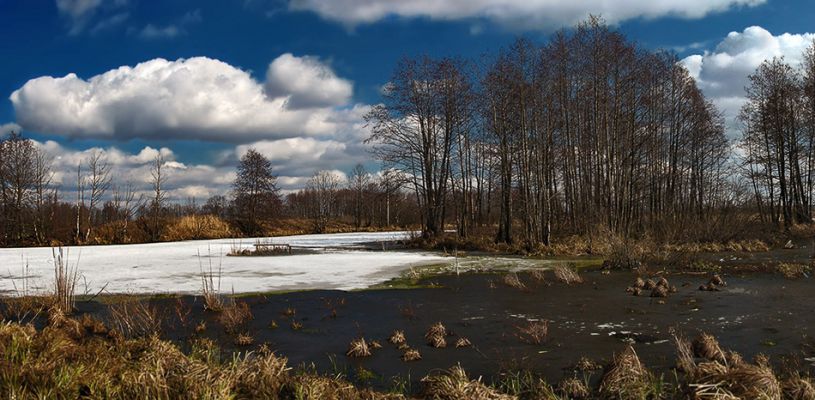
column 794, row 270
column 534, row 332
column 196, row 227
column 706, row 346
column 135, row 319
column 436, row 335
column 512, row 280
column 411, row 355
column 567, row 275
column 573, row 388
column 211, row 285
column 463, row 342
column 243, row 340
column 538, row 275
column 626, row 377
column 235, row 317
column 798, row 387
column 397, row 337
column 454, row 384
column 51, row 364
column 65, row 280
column 660, row 291
column 358, row 348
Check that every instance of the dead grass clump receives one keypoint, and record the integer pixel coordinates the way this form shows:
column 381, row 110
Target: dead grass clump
column 586, row 365
column 649, row 284
column 567, row 275
column 243, row 340
column 538, row 275
column 512, row 280
column 374, row 344
column 358, row 348
column 135, row 319
column 634, row 290
column 235, row 317
column 397, row 337
column 435, row 336
column 463, row 342
column 65, row 280
column 626, row 377
column 211, row 286
column 706, row 346
column 663, row 282
column 639, row 283
column 685, row 361
column 794, row 270
column 411, row 355
column 717, row 280
column 296, row 325
column 798, row 387
column 660, row 291
column 573, row 388
column 534, row 332
column 743, row 381
column 454, row 384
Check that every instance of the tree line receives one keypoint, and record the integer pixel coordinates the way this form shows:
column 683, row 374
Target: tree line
column 587, row 132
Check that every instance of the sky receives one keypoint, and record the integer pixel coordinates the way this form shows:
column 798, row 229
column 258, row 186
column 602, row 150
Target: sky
column 202, row 81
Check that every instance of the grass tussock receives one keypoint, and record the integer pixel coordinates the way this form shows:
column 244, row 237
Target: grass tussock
column 454, row 384
column 794, row 270
column 358, row 348
column 463, row 342
column 135, row 319
column 573, row 388
column 411, row 355
column 533, row 332
column 235, row 317
column 436, row 335
column 66, row 278
column 397, row 337
column 627, row 378
column 512, row 280
column 567, row 275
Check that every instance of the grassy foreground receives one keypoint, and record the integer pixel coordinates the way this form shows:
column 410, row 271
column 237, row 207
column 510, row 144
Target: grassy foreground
column 70, row 358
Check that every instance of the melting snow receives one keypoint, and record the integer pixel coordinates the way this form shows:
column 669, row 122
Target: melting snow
column 338, row 263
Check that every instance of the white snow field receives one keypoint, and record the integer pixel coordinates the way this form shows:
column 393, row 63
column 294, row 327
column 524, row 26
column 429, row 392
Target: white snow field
column 339, row 262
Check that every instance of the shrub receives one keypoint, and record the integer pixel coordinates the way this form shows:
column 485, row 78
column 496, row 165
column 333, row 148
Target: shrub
column 193, row 227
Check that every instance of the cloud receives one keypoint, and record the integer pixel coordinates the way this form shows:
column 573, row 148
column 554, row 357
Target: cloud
column 298, row 77
column 723, row 72
column 197, row 98
column 5, row 129
column 183, row 181
column 530, row 14
column 173, row 30
column 151, row 31
column 81, row 13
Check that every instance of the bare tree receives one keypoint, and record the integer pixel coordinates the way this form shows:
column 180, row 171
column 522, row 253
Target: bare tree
column 98, row 182
column 158, row 181
column 323, row 187
column 358, row 182
column 255, row 189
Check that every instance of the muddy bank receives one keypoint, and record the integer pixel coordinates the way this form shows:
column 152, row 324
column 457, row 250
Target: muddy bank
column 756, row 313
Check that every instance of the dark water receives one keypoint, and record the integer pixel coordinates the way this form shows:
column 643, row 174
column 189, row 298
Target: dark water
column 757, row 313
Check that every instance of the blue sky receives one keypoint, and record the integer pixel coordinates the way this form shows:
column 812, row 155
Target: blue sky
column 345, row 50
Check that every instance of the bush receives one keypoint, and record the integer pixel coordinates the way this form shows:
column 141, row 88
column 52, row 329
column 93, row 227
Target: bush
column 192, row 227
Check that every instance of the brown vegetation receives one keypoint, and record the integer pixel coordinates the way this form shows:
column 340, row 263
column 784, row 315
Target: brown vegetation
column 567, row 275
column 358, row 348
column 533, row 332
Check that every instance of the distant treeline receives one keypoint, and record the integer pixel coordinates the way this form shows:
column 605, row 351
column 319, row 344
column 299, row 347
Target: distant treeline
column 590, row 130
column 587, row 132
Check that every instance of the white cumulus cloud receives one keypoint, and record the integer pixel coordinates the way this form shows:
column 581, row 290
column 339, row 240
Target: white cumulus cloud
column 197, row 98
column 535, row 14
column 307, row 82
column 723, row 72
